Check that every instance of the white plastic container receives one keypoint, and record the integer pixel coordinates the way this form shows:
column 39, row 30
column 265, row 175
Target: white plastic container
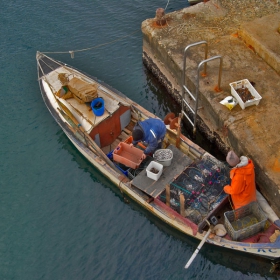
column 163, row 156
column 236, row 85
column 156, row 166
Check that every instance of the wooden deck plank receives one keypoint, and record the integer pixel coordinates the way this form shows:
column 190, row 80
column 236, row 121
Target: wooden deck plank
column 84, row 110
column 179, row 162
column 131, row 125
column 123, row 136
column 127, row 131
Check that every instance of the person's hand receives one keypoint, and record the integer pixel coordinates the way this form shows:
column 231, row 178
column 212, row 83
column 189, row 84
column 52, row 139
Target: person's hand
column 131, row 145
column 143, row 157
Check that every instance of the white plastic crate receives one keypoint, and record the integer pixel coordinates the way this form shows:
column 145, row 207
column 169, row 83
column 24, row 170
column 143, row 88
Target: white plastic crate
column 247, row 228
column 157, row 166
column 236, row 85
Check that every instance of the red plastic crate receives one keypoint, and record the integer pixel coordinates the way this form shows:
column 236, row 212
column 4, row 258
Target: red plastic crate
column 129, row 156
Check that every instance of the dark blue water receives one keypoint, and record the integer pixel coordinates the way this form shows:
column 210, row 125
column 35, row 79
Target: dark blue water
column 60, row 218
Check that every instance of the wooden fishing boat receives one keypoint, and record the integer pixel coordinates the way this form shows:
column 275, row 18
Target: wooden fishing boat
column 189, row 193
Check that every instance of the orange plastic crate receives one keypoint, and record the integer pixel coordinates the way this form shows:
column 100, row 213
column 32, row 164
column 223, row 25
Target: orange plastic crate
column 129, row 156
column 130, row 139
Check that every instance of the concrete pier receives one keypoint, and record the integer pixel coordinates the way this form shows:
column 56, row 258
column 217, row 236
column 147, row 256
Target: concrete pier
column 246, row 34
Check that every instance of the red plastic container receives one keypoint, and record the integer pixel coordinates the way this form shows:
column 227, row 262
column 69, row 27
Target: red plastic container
column 129, row 156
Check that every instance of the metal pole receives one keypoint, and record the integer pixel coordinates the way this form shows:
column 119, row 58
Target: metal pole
column 184, row 67
column 197, row 84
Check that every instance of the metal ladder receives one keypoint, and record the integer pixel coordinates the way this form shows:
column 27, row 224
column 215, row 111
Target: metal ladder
column 185, row 90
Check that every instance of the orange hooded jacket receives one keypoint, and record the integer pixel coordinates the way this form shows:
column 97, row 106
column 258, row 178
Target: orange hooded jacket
column 242, row 187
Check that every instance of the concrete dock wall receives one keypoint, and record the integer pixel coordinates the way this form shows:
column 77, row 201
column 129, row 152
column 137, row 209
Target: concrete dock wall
column 225, row 25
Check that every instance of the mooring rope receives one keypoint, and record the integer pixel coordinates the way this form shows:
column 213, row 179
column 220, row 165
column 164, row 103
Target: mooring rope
column 166, row 5
column 72, row 52
column 94, row 47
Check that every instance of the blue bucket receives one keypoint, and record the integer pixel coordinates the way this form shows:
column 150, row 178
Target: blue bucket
column 97, row 106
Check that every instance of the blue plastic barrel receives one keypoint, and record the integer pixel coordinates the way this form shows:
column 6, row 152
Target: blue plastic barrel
column 97, row 106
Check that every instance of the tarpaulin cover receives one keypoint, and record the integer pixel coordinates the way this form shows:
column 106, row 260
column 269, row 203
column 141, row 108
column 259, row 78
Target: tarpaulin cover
column 83, row 91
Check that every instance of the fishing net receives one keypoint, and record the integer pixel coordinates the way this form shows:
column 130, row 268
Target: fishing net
column 244, row 222
column 202, row 184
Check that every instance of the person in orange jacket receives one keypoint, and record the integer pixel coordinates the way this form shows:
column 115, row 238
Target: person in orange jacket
column 242, row 187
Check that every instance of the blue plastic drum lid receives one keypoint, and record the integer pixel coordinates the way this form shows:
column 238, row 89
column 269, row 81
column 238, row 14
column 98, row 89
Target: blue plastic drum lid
column 98, row 106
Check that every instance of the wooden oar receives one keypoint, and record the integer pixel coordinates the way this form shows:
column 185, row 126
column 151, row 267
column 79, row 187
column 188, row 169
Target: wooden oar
column 198, row 248
column 67, row 114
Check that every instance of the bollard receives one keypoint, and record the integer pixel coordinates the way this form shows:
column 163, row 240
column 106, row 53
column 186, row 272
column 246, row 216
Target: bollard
column 160, row 17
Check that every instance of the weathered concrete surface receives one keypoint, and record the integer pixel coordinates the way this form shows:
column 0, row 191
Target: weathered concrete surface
column 225, row 25
column 266, row 40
